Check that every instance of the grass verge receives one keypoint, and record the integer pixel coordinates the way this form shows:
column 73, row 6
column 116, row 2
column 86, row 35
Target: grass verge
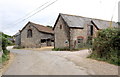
column 4, row 58
column 115, row 61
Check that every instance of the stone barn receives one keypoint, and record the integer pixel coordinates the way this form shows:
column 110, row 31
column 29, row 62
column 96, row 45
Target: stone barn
column 72, row 31
column 34, row 36
column 17, row 38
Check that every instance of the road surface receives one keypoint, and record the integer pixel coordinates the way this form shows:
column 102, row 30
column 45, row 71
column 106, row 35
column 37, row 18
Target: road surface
column 29, row 62
column 43, row 61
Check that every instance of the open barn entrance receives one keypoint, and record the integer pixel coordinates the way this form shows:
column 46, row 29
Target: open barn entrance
column 46, row 42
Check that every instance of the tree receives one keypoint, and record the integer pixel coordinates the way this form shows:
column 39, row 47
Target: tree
column 49, row 26
column 3, row 44
column 118, row 23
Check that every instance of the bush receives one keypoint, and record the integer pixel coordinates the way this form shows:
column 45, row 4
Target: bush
column 81, row 45
column 5, row 57
column 61, row 49
column 106, row 46
column 6, row 52
column 4, row 43
column 64, row 49
column 56, row 49
column 18, row 47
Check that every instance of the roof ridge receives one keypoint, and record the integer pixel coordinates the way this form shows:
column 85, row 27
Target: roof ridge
column 39, row 24
column 86, row 17
column 42, row 27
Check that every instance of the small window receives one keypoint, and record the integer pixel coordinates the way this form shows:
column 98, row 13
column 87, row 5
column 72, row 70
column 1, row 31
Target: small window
column 66, row 42
column 80, row 40
column 91, row 29
column 60, row 26
column 52, row 40
column 29, row 33
column 43, row 40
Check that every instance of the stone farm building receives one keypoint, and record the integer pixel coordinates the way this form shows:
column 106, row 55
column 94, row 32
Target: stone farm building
column 17, row 38
column 71, row 31
column 34, row 35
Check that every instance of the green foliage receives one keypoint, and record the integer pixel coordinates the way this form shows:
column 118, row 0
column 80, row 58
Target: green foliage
column 5, row 57
column 49, row 26
column 118, row 23
column 4, row 42
column 84, row 46
column 106, row 46
column 9, row 43
column 56, row 49
column 64, row 49
column 61, row 49
column 4, row 39
column 81, row 45
column 5, row 35
column 18, row 47
column 6, row 52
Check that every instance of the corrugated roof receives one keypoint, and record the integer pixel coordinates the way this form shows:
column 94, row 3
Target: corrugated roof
column 79, row 21
column 42, row 28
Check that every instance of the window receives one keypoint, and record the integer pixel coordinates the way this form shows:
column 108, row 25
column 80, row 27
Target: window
column 43, row 40
column 66, row 42
column 29, row 33
column 80, row 40
column 91, row 29
column 60, row 26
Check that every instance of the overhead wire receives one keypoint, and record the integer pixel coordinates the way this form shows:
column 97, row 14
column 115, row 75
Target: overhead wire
column 113, row 14
column 37, row 11
column 28, row 16
column 32, row 11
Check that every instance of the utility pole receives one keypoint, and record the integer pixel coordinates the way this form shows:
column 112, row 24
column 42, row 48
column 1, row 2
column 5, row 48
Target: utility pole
column 112, row 15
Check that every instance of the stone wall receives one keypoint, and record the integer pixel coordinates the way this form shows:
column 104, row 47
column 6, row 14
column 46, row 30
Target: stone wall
column 18, row 40
column 75, row 33
column 71, row 34
column 61, row 34
column 34, row 41
column 95, row 31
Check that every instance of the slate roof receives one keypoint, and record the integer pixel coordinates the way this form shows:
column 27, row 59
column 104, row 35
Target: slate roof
column 101, row 24
column 79, row 21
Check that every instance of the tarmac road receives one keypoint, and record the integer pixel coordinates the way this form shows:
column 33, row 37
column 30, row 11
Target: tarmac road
column 29, row 62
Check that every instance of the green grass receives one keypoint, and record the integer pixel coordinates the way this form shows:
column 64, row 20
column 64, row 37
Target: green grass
column 67, row 49
column 4, row 58
column 18, row 47
column 115, row 61
column 0, row 60
column 82, row 48
column 60, row 49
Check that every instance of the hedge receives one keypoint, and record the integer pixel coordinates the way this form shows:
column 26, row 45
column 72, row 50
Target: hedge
column 106, row 46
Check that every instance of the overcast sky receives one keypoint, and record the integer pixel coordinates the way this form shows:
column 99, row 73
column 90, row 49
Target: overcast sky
column 13, row 12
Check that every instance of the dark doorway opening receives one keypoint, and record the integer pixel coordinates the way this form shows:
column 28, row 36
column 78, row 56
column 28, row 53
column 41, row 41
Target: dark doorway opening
column 91, row 30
